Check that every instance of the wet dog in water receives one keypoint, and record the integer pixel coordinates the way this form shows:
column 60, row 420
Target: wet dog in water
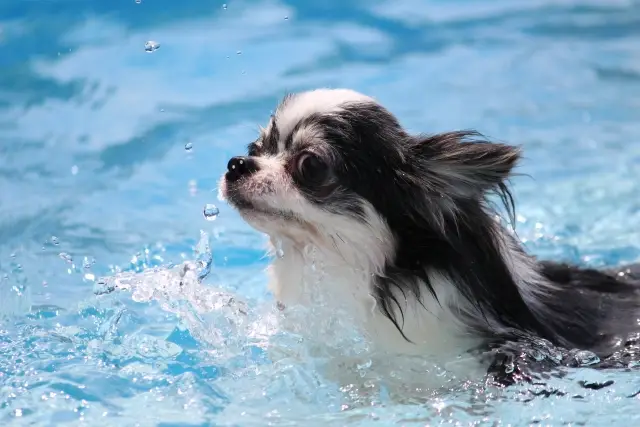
column 407, row 237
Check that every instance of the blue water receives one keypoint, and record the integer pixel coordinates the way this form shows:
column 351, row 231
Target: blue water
column 98, row 192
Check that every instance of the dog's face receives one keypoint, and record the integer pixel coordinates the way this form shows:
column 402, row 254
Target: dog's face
column 336, row 161
column 309, row 172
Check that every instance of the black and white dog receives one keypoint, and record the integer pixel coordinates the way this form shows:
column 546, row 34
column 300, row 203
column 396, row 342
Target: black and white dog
column 406, row 235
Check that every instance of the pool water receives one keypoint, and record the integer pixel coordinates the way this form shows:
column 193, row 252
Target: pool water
column 118, row 117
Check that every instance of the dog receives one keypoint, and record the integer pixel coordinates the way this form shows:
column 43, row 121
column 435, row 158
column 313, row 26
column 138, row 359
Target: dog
column 407, row 232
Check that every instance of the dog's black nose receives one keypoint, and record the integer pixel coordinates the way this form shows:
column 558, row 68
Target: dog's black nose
column 239, row 167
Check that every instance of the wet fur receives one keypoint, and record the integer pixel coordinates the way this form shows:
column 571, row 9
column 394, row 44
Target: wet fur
column 415, row 217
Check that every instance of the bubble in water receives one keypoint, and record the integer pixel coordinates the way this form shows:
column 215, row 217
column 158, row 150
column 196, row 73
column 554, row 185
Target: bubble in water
column 138, row 1
column 286, row 18
column 188, row 147
column 151, row 46
column 74, row 170
column 224, row 6
column 239, row 52
column 55, row 240
column 210, row 212
column 65, row 257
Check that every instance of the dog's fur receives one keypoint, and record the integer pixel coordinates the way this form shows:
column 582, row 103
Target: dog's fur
column 407, row 238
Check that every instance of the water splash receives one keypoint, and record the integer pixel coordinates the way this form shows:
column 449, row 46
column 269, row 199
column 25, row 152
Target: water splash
column 214, row 316
column 66, row 257
column 204, row 256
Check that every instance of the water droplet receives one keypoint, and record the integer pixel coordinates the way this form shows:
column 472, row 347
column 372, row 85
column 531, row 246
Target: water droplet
column 586, row 358
column 286, row 18
column 204, row 257
column 210, row 212
column 65, row 257
column 87, row 262
column 509, row 367
column 279, row 250
column 55, row 240
column 224, row 6
column 151, row 46
column 188, row 146
column 74, row 170
column 138, row 1
column 239, row 52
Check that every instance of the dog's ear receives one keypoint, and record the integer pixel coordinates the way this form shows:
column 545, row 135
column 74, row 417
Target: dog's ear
column 463, row 162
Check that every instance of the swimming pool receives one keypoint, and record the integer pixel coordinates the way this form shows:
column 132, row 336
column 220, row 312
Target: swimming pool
column 109, row 153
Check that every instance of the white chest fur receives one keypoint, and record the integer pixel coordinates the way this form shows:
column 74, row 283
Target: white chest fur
column 325, row 282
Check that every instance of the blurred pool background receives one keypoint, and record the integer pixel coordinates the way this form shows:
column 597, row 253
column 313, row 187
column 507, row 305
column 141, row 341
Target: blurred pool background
column 108, row 154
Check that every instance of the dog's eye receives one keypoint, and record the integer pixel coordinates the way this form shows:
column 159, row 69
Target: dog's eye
column 311, row 168
column 253, row 150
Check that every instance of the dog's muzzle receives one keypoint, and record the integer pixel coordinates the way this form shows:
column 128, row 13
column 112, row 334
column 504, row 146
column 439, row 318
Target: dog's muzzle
column 239, row 167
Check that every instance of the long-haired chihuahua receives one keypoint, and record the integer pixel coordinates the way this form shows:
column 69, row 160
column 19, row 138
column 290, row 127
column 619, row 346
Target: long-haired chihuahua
column 407, row 235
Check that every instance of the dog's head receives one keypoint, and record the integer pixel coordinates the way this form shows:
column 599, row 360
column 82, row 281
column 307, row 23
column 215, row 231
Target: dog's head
column 336, row 163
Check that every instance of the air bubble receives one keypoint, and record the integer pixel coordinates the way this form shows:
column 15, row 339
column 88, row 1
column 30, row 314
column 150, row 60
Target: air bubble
column 239, row 52
column 210, row 212
column 286, row 18
column 224, row 6
column 74, row 170
column 188, row 147
column 151, row 46
column 55, row 240
column 138, row 1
